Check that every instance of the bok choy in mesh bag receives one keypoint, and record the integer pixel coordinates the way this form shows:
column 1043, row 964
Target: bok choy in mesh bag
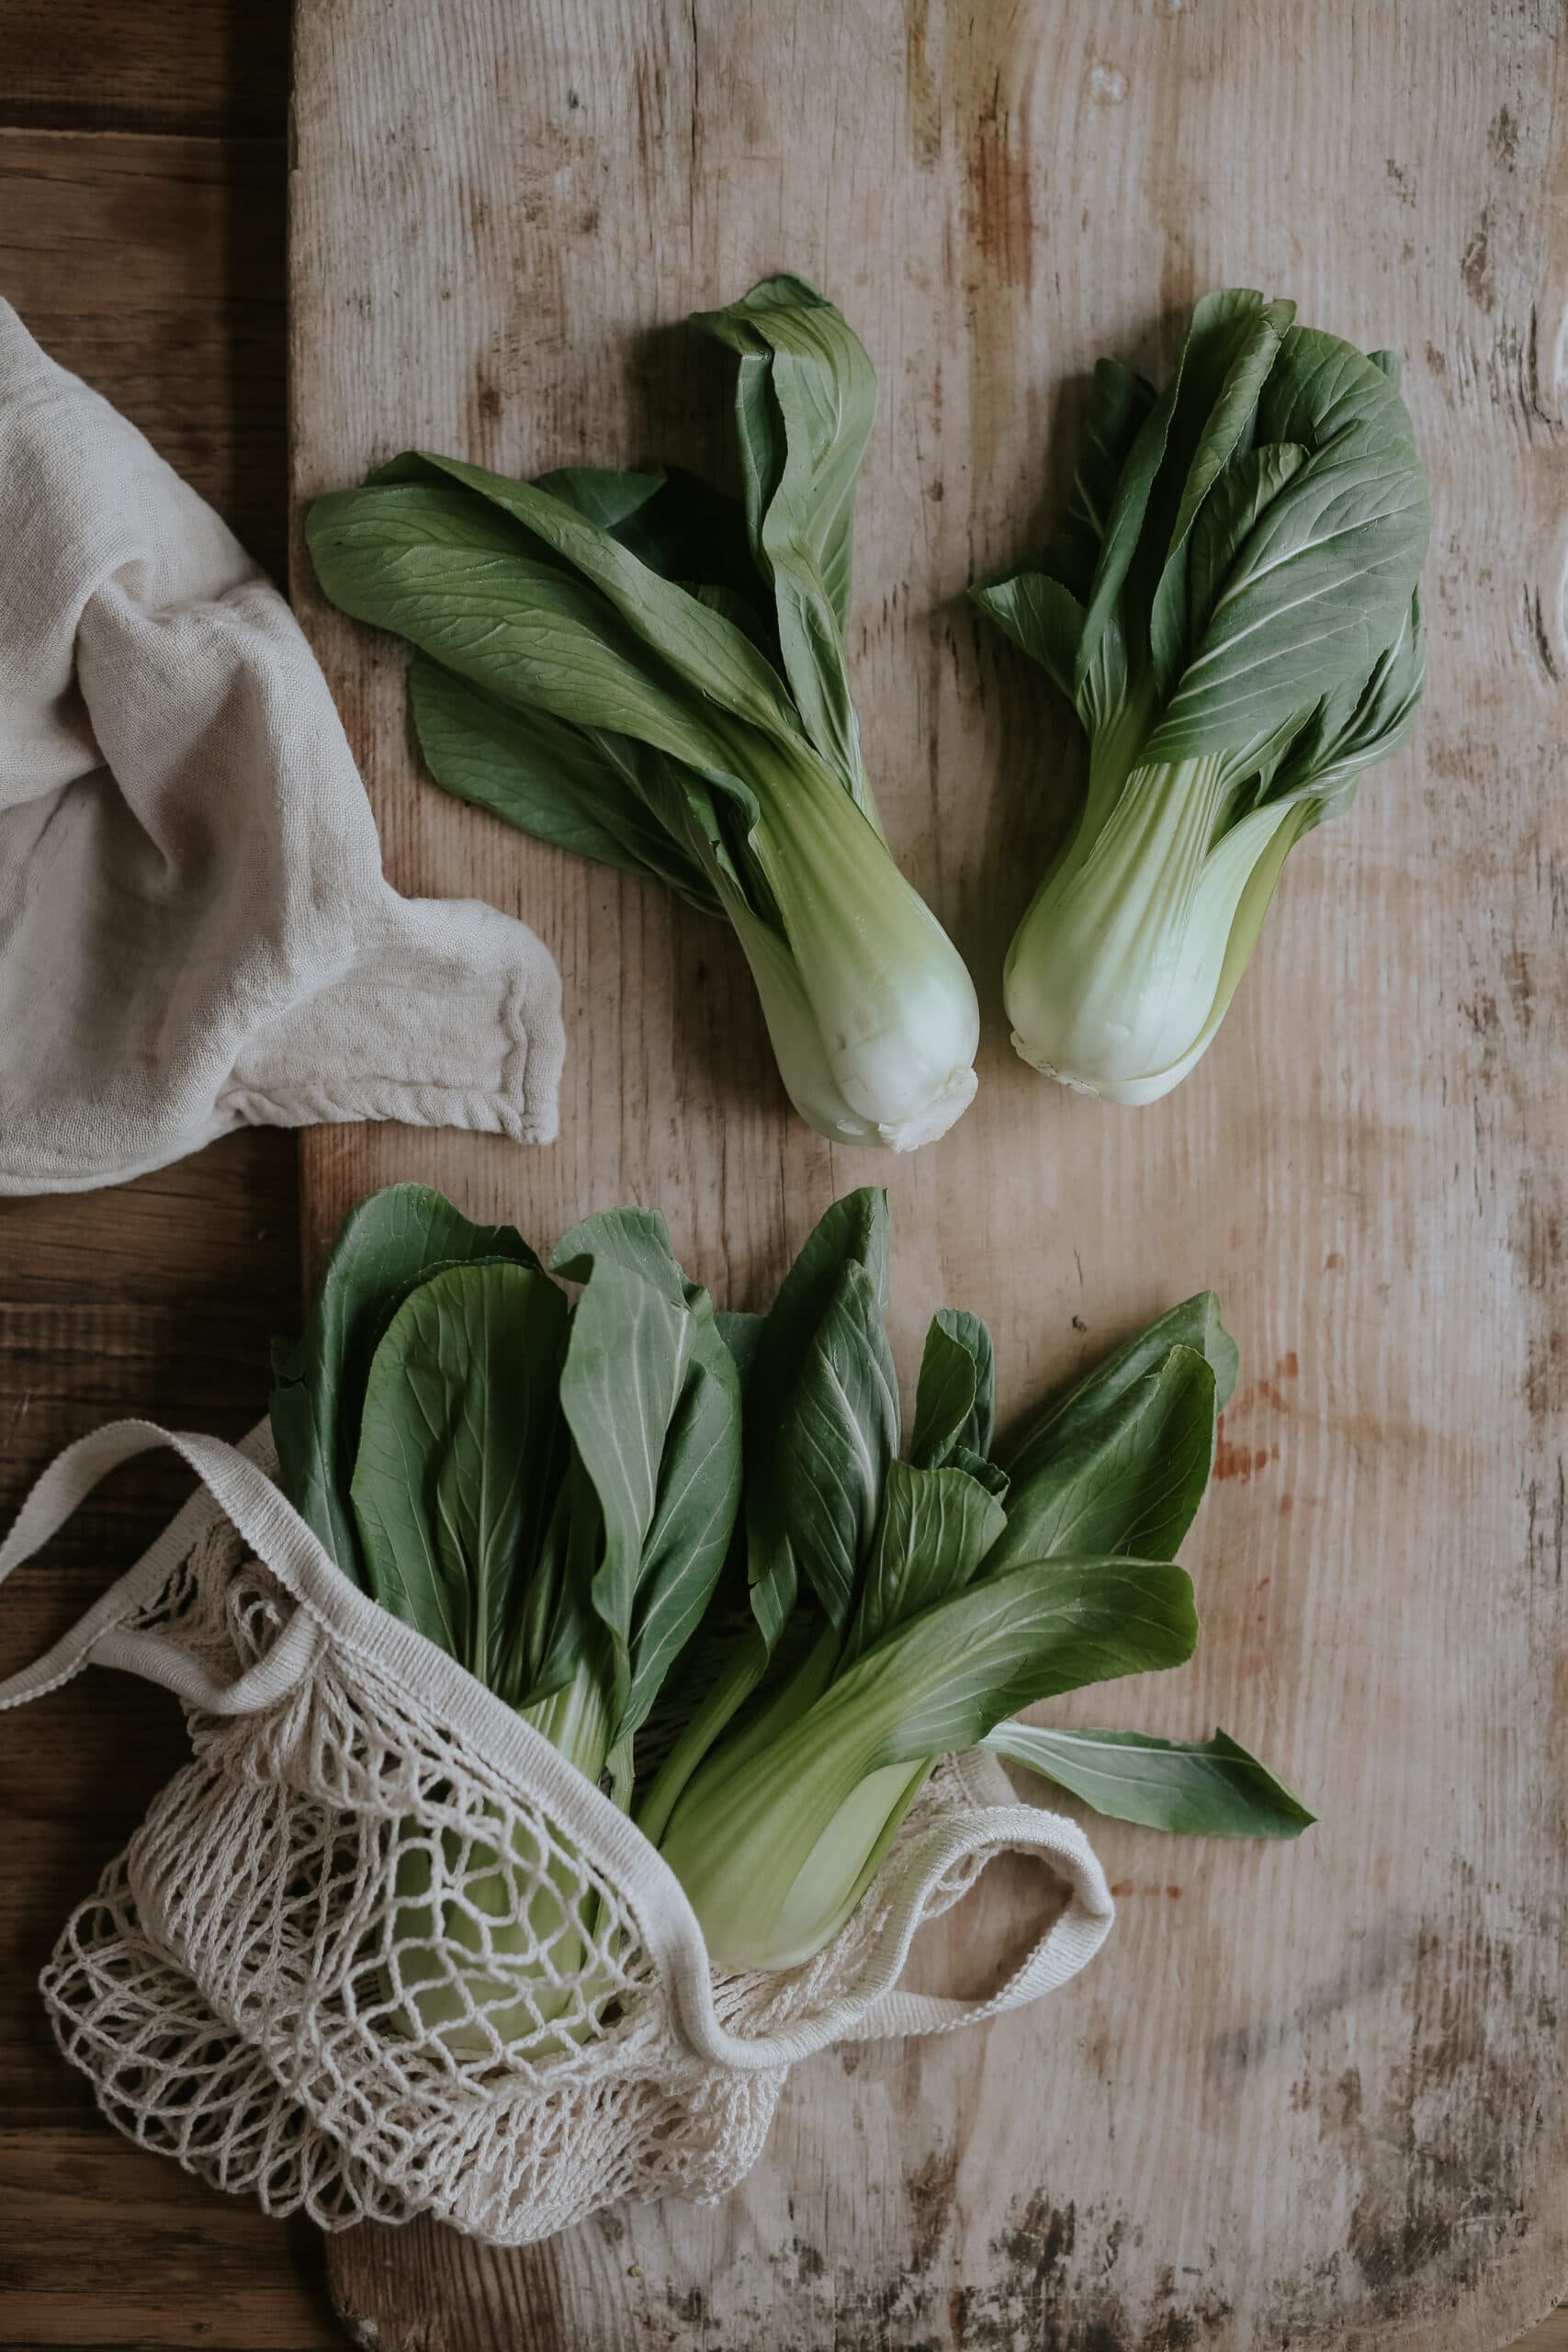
column 641, row 669
column 548, row 1492
column 576, row 1736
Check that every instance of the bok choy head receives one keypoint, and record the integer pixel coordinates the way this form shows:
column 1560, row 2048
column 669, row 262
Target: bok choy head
column 545, row 1488
column 1231, row 608
column 903, row 1608
column 640, row 669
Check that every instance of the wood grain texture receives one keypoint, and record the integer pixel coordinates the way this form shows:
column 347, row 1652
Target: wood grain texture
column 153, row 267
column 214, row 68
column 106, row 2245
column 1313, row 2093
column 159, row 1297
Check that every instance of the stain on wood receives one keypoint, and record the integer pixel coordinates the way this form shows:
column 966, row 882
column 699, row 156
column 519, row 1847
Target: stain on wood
column 1316, row 2091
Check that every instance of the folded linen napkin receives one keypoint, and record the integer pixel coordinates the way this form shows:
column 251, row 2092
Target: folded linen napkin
column 195, row 930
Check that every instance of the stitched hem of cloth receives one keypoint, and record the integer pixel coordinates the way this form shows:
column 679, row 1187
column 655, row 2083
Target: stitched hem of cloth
column 523, row 1105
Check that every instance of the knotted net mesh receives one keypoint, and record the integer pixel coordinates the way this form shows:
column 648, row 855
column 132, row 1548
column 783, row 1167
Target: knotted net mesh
column 348, row 1966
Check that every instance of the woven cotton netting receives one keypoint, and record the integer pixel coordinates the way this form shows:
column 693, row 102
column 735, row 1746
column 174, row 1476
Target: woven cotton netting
column 346, row 1965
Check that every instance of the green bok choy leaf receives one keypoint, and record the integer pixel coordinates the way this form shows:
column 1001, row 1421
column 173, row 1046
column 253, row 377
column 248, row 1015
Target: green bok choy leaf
column 1231, row 608
column 644, row 671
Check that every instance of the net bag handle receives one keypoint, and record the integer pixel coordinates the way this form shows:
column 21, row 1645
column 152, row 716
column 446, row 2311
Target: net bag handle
column 248, row 1499
column 873, row 2006
column 1067, row 1945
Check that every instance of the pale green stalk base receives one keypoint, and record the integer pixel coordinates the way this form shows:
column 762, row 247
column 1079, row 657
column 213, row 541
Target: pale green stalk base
column 779, row 1709
column 935, row 1097
column 818, row 1904
column 1125, row 964
column 558, row 1919
column 777, row 1837
column 871, row 1009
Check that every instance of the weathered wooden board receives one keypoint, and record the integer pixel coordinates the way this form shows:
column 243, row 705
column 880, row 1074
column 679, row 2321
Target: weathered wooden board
column 209, row 68
column 153, row 266
column 1315, row 2093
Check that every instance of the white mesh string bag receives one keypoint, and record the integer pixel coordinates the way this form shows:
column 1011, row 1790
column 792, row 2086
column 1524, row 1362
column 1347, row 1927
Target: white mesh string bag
column 377, row 1950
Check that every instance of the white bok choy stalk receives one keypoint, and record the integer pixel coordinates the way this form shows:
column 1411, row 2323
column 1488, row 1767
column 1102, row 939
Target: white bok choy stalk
column 899, row 1610
column 1231, row 608
column 546, row 1491
column 640, row 669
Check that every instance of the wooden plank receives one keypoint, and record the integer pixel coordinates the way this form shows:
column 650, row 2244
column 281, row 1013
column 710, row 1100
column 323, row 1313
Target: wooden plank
column 155, row 269
column 164, row 1303
column 157, row 1298
column 216, row 67
column 106, row 2245
column 1310, row 2091
column 168, row 1300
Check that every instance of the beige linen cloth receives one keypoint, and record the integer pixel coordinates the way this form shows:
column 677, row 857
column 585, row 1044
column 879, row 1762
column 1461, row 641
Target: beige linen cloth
column 195, row 930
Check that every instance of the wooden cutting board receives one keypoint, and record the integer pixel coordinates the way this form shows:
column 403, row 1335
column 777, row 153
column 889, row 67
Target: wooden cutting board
column 1309, row 2092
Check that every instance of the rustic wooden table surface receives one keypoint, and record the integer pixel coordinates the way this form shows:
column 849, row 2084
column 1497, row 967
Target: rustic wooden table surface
column 141, row 183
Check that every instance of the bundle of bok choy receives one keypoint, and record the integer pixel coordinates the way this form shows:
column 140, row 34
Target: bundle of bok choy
column 683, row 1545
column 545, row 1490
column 640, row 669
column 903, row 1610
column 1231, row 608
